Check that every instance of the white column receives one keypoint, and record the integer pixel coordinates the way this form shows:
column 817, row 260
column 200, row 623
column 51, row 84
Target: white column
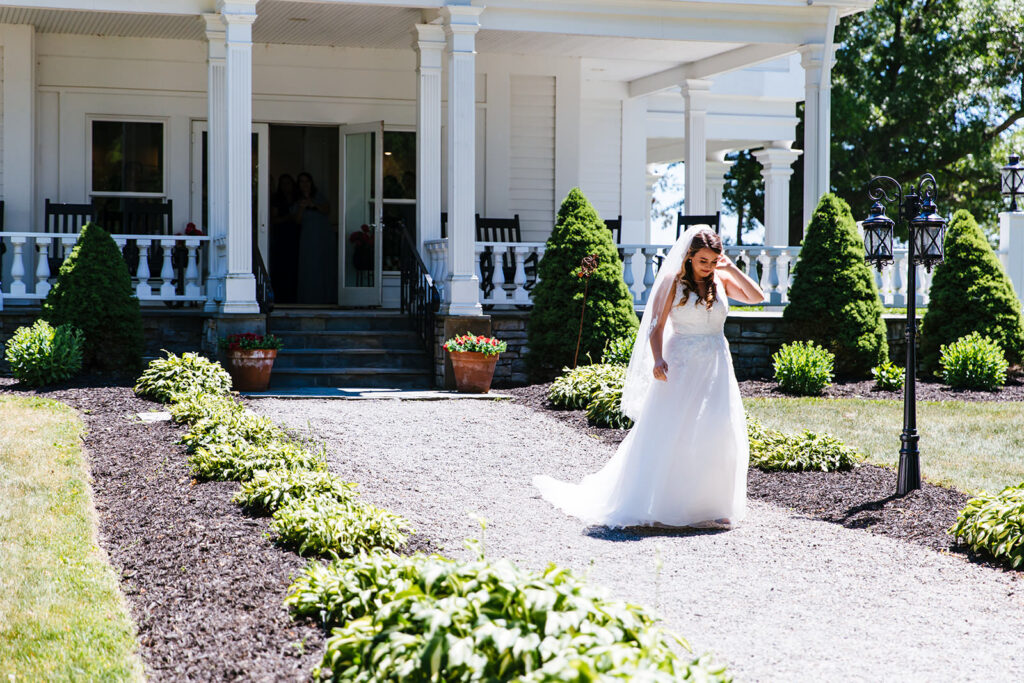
column 776, row 169
column 817, row 127
column 716, row 167
column 429, row 42
column 633, row 202
column 651, row 181
column 695, row 101
column 19, row 152
column 216, row 160
column 461, row 23
column 240, row 285
column 1011, row 240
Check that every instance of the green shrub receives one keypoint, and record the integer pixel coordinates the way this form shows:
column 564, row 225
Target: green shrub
column 803, row 368
column 430, row 618
column 558, row 296
column 188, row 373
column 266, row 492
column 94, row 293
column 325, row 526
column 994, row 524
column 833, row 300
column 573, row 389
column 618, row 350
column 775, row 451
column 241, row 461
column 605, row 407
column 41, row 355
column 973, row 362
column 888, row 376
column 970, row 292
column 191, row 408
column 228, row 426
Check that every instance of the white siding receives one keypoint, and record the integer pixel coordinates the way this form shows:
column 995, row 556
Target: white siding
column 601, row 155
column 532, row 157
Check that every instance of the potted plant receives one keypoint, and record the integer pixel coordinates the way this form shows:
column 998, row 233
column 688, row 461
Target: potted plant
column 250, row 358
column 473, row 360
column 362, row 247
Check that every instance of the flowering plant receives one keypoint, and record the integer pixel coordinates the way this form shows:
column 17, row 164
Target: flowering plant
column 191, row 229
column 489, row 346
column 361, row 237
column 249, row 340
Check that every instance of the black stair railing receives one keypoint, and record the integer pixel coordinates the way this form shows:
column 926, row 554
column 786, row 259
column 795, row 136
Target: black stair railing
column 264, row 288
column 420, row 298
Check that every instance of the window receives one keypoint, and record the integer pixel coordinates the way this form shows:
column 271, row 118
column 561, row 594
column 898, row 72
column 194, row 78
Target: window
column 127, row 158
column 399, row 171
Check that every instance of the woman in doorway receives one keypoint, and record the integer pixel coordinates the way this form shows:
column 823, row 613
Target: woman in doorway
column 685, row 461
column 284, row 241
column 318, row 252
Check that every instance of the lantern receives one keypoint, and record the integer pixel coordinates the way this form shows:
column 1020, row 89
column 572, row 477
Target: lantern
column 928, row 230
column 878, row 237
column 1012, row 177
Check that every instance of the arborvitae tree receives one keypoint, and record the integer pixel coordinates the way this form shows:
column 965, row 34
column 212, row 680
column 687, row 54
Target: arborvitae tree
column 558, row 296
column 94, row 293
column 833, row 299
column 970, row 293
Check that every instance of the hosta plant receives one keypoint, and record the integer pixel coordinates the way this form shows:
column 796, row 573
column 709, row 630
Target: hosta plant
column 41, row 354
column 325, row 526
column 993, row 524
column 619, row 350
column 188, row 373
column 268, row 491
column 196, row 406
column 574, row 388
column 228, row 427
column 605, row 408
column 241, row 461
column 973, row 362
column 803, row 368
column 431, row 618
column 773, row 450
column 888, row 376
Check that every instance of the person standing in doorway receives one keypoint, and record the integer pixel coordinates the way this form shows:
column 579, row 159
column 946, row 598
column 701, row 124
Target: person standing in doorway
column 317, row 249
column 284, row 241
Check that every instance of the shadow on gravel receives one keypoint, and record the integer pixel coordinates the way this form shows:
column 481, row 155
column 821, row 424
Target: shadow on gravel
column 638, row 533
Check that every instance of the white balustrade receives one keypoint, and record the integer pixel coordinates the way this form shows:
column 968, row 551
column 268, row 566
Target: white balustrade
column 29, row 255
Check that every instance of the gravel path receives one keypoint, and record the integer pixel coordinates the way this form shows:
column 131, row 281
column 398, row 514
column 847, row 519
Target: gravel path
column 780, row 598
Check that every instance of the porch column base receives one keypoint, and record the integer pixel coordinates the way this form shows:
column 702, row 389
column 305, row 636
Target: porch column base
column 240, row 295
column 453, row 325
column 463, row 295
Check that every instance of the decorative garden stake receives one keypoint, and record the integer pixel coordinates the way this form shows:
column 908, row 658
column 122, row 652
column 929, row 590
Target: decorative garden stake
column 926, row 230
column 587, row 267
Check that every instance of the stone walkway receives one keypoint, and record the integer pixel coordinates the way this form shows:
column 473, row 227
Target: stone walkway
column 781, row 598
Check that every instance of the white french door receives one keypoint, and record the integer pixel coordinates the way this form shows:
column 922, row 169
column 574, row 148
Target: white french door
column 361, row 237
column 260, row 177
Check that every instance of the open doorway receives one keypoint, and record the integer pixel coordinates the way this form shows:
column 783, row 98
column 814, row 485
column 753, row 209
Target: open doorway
column 303, row 210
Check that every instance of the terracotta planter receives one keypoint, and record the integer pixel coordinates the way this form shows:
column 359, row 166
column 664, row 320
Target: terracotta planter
column 250, row 368
column 473, row 371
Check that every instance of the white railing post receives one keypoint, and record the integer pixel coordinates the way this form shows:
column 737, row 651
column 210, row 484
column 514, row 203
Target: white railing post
column 520, row 296
column 192, row 289
column 627, row 273
column 887, row 289
column 901, row 264
column 649, row 255
column 765, row 259
column 924, row 281
column 142, row 289
column 167, row 270
column 782, row 270
column 43, row 267
column 18, row 266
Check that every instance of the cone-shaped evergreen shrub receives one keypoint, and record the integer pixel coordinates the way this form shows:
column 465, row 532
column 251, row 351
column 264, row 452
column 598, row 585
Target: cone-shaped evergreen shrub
column 970, row 293
column 833, row 299
column 558, row 296
column 94, row 293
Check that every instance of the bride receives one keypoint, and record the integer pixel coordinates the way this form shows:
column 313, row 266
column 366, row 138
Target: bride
column 684, row 463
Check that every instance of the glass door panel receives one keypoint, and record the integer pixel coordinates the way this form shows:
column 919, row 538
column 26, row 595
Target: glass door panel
column 360, row 243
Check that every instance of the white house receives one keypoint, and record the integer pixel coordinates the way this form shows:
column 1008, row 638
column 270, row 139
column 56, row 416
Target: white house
column 400, row 111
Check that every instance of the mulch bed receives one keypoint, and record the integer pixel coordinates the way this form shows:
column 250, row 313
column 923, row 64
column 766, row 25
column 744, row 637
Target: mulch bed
column 862, row 498
column 204, row 584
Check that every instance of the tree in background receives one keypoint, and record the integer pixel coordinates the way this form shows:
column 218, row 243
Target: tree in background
column 743, row 193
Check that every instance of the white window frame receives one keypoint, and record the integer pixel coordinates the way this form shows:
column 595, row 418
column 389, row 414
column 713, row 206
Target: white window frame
column 396, row 202
column 165, row 125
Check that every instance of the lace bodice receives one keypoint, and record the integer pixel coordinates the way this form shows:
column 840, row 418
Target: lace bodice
column 693, row 317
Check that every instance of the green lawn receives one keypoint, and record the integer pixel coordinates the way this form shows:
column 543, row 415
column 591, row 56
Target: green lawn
column 62, row 616
column 970, row 446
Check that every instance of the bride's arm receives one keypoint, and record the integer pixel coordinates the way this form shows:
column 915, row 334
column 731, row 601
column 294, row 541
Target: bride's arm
column 738, row 285
column 663, row 300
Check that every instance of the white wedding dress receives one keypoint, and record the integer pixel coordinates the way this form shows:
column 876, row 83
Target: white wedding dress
column 684, row 463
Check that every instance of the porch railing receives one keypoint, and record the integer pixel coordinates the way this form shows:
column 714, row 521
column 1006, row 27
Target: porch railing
column 419, row 297
column 180, row 279
column 771, row 267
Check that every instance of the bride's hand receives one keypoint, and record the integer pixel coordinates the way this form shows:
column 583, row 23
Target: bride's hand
column 723, row 261
column 661, row 370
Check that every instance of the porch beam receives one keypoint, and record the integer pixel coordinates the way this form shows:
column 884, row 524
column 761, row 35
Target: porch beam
column 709, row 67
column 240, row 284
column 461, row 24
column 128, row 6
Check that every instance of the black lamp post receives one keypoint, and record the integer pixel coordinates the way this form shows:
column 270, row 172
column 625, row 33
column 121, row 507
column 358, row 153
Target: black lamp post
column 926, row 230
column 1012, row 180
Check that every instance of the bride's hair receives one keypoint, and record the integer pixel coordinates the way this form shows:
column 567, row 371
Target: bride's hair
column 705, row 239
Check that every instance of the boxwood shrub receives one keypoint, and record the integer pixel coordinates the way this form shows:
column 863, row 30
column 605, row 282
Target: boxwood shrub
column 973, row 362
column 803, row 368
column 41, row 355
